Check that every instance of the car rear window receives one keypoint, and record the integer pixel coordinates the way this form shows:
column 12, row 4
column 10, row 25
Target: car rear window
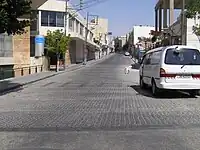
column 182, row 57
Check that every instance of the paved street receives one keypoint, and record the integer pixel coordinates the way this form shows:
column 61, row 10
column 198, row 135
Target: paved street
column 97, row 108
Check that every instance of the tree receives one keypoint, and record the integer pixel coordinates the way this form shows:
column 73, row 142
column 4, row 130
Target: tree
column 10, row 12
column 125, row 46
column 154, row 38
column 192, row 9
column 57, row 42
column 116, row 44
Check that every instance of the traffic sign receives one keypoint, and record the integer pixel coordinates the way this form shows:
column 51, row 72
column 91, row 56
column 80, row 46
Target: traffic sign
column 39, row 39
column 39, row 45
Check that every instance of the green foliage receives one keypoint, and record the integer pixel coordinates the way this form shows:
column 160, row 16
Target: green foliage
column 153, row 39
column 196, row 30
column 116, row 42
column 192, row 8
column 10, row 12
column 57, row 42
column 125, row 46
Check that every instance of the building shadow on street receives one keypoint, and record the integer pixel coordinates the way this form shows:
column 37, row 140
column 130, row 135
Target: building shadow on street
column 8, row 86
column 163, row 95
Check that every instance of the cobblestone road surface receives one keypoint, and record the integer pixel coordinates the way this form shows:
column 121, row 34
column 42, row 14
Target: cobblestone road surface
column 97, row 108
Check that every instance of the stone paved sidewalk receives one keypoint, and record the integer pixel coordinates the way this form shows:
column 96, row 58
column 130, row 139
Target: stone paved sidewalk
column 7, row 85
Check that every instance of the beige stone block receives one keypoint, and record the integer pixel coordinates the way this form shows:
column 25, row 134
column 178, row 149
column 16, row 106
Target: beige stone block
column 26, row 71
column 21, row 49
column 67, row 58
column 17, row 72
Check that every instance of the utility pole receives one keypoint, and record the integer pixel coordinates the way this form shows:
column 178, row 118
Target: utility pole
column 183, row 23
column 66, row 25
column 57, row 56
column 86, row 35
column 81, row 4
column 66, row 17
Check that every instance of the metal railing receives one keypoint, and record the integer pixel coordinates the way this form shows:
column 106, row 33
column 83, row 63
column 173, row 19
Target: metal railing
column 16, row 72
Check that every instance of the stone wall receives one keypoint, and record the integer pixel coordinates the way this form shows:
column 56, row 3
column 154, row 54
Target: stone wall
column 21, row 52
column 67, row 58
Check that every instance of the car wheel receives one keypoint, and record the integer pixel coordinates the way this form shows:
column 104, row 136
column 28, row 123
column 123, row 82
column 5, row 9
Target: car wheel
column 142, row 84
column 154, row 89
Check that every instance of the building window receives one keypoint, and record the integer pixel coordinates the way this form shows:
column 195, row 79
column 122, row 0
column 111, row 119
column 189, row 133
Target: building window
column 71, row 23
column 81, row 29
column 77, row 23
column 6, row 45
column 52, row 19
column 44, row 18
column 87, row 32
column 60, row 19
column 91, row 35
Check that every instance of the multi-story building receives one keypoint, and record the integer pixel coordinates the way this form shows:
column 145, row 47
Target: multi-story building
column 15, row 51
column 123, row 40
column 189, row 36
column 140, row 31
column 140, row 38
column 101, row 34
column 177, row 31
column 100, row 28
column 51, row 16
column 19, row 51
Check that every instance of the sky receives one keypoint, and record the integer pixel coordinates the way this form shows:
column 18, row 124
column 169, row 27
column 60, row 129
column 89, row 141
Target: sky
column 123, row 14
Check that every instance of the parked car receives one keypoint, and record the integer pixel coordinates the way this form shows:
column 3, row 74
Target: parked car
column 174, row 67
column 127, row 54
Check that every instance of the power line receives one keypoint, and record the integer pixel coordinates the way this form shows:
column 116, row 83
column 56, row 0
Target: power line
column 79, row 9
column 93, row 3
column 83, row 3
column 99, row 2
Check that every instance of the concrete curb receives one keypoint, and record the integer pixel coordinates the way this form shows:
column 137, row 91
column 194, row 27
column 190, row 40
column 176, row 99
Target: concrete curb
column 17, row 86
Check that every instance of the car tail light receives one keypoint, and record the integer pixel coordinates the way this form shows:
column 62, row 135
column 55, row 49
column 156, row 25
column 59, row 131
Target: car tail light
column 166, row 75
column 196, row 75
